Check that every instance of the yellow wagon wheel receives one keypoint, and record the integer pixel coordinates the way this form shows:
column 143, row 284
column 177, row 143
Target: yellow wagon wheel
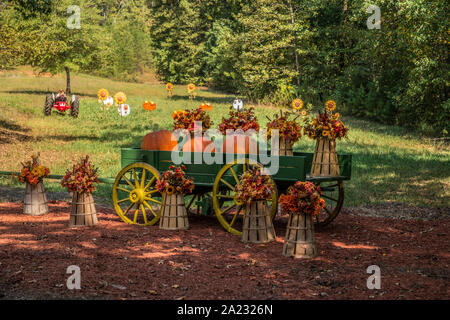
column 229, row 211
column 134, row 195
column 333, row 194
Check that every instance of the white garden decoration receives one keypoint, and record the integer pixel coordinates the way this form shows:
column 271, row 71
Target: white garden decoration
column 108, row 102
column 238, row 104
column 124, row 110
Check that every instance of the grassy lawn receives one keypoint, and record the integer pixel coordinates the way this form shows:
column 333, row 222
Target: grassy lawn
column 389, row 164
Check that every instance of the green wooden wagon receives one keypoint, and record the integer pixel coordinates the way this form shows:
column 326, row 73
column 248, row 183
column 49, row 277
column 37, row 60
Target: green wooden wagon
column 137, row 201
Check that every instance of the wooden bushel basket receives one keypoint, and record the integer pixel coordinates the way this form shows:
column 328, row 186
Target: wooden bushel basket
column 35, row 200
column 258, row 226
column 325, row 160
column 286, row 147
column 173, row 213
column 300, row 241
column 83, row 211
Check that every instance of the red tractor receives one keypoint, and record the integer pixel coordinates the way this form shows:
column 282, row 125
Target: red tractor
column 61, row 104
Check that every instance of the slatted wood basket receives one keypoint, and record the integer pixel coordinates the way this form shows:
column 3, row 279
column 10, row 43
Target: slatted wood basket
column 300, row 241
column 35, row 200
column 83, row 211
column 258, row 227
column 325, row 159
column 286, row 147
column 173, row 213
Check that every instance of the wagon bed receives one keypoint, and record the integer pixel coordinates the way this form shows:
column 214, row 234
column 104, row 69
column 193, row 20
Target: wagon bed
column 213, row 182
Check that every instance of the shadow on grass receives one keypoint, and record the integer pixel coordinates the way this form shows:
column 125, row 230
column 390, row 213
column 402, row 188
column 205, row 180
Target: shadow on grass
column 44, row 92
column 11, row 132
column 200, row 100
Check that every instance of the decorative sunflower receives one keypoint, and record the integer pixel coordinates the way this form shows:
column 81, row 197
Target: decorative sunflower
column 330, row 105
column 190, row 87
column 170, row 189
column 297, row 104
column 102, row 94
column 169, row 86
column 120, row 98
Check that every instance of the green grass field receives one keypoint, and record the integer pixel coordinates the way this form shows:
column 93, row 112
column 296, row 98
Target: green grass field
column 389, row 164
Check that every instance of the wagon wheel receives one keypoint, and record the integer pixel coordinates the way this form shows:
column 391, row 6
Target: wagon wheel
column 333, row 194
column 134, row 195
column 229, row 211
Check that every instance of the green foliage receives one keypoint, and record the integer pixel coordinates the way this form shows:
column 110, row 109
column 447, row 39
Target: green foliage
column 321, row 48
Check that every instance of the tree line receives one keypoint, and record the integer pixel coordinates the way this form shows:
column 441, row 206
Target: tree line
column 264, row 50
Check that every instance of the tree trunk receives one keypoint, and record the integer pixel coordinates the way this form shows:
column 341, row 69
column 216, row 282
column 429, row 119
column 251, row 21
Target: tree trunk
column 67, row 80
column 291, row 9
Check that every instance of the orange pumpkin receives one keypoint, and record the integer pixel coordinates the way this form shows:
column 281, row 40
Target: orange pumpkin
column 158, row 140
column 242, row 144
column 206, row 106
column 149, row 105
column 198, row 144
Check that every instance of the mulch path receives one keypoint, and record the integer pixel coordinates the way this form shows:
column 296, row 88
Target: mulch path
column 120, row 261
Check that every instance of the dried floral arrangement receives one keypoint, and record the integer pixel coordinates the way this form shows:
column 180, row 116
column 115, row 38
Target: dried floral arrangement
column 184, row 119
column 81, row 178
column 326, row 124
column 174, row 180
column 253, row 185
column 302, row 197
column 239, row 119
column 32, row 172
column 287, row 129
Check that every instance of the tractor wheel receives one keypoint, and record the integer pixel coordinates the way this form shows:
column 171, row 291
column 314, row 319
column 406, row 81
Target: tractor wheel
column 48, row 104
column 75, row 105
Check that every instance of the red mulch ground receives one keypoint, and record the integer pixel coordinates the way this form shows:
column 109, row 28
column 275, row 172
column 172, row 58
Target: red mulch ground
column 131, row 262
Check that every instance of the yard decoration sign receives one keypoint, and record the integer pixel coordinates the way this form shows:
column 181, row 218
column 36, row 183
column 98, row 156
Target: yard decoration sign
column 238, row 104
column 124, row 110
column 173, row 186
column 169, row 88
column 32, row 173
column 191, row 91
column 81, row 181
column 105, row 100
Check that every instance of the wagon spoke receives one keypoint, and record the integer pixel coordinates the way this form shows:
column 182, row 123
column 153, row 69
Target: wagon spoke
column 135, row 215
column 191, row 201
column 123, row 189
column 136, row 182
column 149, row 183
column 225, row 196
column 143, row 213
column 128, row 181
column 238, row 209
column 234, row 175
column 153, row 200
column 228, row 208
column 143, row 178
column 150, row 207
column 227, row 184
column 333, row 199
column 123, row 200
column 128, row 209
